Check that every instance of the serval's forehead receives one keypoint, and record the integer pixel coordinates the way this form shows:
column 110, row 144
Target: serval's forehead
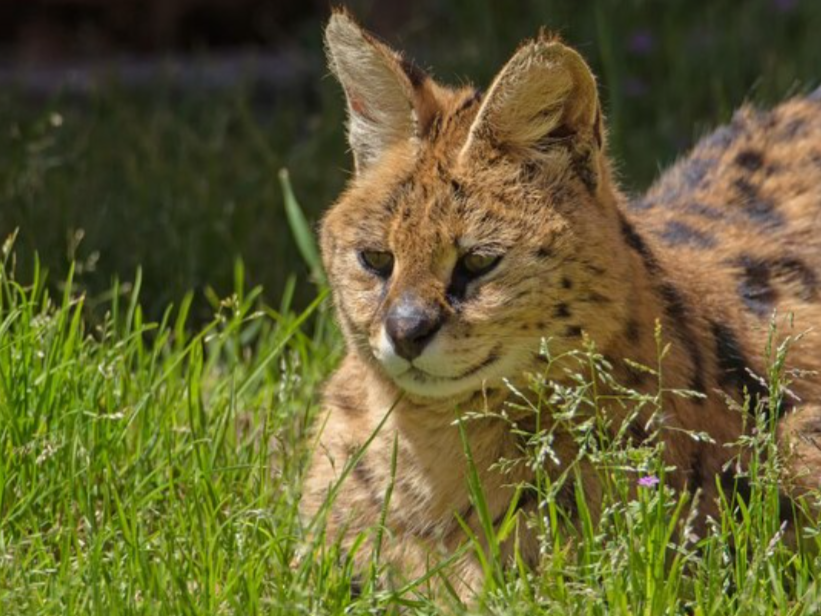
column 428, row 207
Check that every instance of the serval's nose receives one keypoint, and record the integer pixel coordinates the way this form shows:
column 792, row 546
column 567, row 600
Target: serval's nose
column 411, row 324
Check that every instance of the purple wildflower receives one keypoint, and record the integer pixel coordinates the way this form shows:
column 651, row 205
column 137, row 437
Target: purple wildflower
column 641, row 42
column 785, row 6
column 635, row 87
column 650, row 481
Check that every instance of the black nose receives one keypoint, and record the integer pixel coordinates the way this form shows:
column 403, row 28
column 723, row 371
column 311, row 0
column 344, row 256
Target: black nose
column 411, row 324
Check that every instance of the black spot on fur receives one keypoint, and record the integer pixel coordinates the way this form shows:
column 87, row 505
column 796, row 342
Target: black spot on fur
column 705, row 211
column 637, row 432
column 676, row 310
column 566, row 499
column 751, row 160
column 594, row 297
column 739, row 487
column 677, row 233
column 573, row 331
column 754, row 286
column 635, row 377
column 674, row 305
column 544, row 252
column 759, row 277
column 760, row 210
column 697, row 380
column 567, row 283
column 636, row 242
column 733, row 368
column 562, row 311
column 632, row 331
column 697, row 475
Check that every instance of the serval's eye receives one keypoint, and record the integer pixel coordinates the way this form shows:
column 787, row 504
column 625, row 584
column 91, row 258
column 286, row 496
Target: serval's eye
column 477, row 264
column 378, row 262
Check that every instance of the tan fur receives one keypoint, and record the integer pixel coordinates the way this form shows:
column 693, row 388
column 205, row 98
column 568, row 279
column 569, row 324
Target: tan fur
column 729, row 234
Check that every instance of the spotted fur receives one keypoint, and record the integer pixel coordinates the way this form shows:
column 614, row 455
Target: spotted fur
column 728, row 235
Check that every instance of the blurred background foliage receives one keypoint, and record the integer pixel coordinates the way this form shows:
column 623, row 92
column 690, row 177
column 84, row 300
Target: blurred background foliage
column 178, row 176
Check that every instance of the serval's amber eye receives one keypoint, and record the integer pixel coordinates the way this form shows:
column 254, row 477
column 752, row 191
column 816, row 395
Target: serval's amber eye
column 377, row 261
column 477, row 264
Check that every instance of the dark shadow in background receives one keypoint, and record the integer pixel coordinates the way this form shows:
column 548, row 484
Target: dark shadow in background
column 149, row 133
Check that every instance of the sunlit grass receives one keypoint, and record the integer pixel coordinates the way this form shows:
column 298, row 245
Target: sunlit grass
column 148, row 468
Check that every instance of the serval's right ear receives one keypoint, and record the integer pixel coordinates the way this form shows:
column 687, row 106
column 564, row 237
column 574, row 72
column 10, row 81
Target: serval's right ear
column 389, row 98
column 543, row 105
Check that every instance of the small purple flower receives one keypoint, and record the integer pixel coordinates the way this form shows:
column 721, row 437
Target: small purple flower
column 635, row 87
column 785, row 6
column 641, row 42
column 650, row 481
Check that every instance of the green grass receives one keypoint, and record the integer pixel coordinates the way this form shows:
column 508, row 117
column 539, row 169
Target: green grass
column 146, row 469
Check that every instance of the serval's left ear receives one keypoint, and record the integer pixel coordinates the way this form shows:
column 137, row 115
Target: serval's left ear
column 389, row 99
column 542, row 103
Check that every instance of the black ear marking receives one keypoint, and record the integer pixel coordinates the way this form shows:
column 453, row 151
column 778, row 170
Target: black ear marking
column 415, row 75
column 598, row 128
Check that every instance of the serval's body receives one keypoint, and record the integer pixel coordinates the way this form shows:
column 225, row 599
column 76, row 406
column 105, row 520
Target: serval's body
column 479, row 225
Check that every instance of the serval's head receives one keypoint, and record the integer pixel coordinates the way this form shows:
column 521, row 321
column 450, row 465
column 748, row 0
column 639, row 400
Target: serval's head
column 475, row 225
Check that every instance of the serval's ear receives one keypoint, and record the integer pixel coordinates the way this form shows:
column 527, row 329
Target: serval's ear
column 542, row 103
column 389, row 98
